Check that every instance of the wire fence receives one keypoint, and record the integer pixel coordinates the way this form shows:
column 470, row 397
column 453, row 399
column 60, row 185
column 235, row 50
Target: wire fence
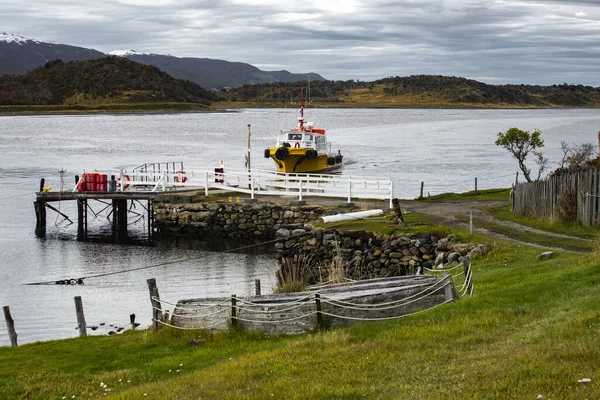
column 337, row 305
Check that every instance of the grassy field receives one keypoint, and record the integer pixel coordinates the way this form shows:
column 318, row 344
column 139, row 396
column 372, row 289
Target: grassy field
column 532, row 328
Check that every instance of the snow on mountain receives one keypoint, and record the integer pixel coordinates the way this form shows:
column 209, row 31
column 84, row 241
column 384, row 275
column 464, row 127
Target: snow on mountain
column 11, row 38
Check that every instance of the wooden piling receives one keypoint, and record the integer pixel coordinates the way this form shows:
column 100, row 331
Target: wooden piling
column 80, row 316
column 40, row 216
column 422, row 185
column 132, row 321
column 10, row 325
column 475, row 185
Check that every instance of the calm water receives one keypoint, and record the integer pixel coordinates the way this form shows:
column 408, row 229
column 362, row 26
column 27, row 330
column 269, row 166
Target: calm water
column 446, row 149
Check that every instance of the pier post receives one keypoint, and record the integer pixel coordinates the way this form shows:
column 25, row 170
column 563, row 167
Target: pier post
column 40, row 216
column 80, row 316
column 81, row 218
column 421, row 195
column 132, row 321
column 10, row 325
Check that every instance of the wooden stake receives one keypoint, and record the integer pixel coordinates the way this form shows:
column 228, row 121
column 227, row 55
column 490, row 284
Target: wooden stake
column 132, row 321
column 80, row 316
column 10, row 325
column 398, row 211
column 319, row 314
column 156, row 314
column 233, row 311
column 257, row 286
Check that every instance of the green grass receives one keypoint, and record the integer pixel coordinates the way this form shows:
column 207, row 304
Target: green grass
column 415, row 223
column 527, row 236
column 573, row 229
column 488, row 194
column 532, row 328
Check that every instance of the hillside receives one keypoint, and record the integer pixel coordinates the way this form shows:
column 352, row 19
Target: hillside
column 100, row 81
column 211, row 73
column 19, row 55
column 422, row 91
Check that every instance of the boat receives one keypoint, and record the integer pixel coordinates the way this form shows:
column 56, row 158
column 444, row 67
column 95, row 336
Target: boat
column 304, row 149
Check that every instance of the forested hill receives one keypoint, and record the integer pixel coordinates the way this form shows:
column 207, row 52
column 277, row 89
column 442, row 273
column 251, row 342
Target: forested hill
column 106, row 80
column 423, row 91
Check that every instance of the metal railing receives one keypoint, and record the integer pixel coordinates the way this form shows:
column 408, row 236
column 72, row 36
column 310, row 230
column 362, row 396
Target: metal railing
column 253, row 182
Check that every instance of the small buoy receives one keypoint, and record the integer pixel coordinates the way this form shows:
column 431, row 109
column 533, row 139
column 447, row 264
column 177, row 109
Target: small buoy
column 231, row 199
column 237, row 199
column 46, row 188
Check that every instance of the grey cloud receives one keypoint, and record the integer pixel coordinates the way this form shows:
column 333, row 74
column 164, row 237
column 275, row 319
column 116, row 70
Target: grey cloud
column 497, row 41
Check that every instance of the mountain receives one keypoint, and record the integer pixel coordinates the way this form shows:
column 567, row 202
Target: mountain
column 108, row 80
column 215, row 74
column 19, row 55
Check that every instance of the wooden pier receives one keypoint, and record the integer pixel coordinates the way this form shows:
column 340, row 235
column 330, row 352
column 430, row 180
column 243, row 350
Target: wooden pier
column 118, row 202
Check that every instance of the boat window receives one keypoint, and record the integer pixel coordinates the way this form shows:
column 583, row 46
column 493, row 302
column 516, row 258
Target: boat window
column 308, row 137
column 295, row 136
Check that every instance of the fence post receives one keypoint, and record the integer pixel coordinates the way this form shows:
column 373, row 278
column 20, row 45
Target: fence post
column 475, row 185
column 206, row 183
column 233, row 311
column 421, row 195
column 471, row 223
column 151, row 286
column 319, row 314
column 80, row 316
column 156, row 314
column 468, row 275
column 10, row 325
column 448, row 292
column 349, row 191
column 517, row 178
column 300, row 192
column 257, row 287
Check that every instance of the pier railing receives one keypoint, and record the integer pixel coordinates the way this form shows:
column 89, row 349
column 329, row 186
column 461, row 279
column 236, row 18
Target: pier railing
column 253, row 182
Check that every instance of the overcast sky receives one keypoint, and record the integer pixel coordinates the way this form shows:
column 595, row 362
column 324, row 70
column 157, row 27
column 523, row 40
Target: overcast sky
column 494, row 41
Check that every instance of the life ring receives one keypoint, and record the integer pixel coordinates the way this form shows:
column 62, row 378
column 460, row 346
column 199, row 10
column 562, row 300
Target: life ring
column 297, row 145
column 180, row 176
column 127, row 178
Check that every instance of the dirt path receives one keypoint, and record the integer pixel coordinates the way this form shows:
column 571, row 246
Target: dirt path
column 446, row 212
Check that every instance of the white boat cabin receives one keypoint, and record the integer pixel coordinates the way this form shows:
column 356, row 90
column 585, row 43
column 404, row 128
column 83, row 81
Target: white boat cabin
column 304, row 137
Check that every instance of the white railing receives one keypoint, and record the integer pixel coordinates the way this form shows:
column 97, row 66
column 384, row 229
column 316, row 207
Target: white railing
column 254, row 182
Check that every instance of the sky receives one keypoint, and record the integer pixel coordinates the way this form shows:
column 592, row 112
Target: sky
column 493, row 41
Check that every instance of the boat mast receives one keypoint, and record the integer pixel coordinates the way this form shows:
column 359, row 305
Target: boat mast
column 301, row 119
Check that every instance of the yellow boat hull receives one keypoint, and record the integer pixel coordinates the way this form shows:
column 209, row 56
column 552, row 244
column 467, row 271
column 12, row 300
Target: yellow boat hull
column 297, row 162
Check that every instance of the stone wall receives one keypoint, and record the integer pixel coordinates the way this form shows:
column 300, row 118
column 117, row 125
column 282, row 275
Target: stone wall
column 368, row 255
column 231, row 220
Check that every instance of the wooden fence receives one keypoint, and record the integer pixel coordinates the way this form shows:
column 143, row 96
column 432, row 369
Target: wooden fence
column 553, row 196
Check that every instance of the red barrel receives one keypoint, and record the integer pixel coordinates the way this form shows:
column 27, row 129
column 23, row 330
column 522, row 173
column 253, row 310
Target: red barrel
column 81, row 185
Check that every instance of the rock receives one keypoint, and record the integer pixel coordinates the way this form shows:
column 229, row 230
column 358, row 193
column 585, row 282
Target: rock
column 547, row 255
column 283, row 233
column 196, row 342
column 439, row 259
column 453, row 257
